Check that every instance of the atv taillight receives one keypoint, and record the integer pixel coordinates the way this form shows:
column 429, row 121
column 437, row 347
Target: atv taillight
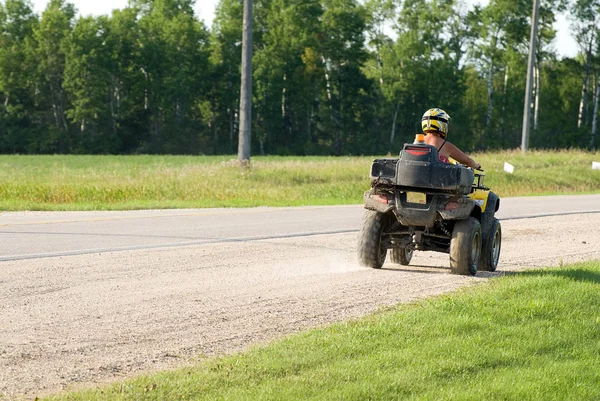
column 451, row 206
column 380, row 198
column 417, row 151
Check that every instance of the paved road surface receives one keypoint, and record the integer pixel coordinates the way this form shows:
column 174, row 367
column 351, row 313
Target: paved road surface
column 41, row 234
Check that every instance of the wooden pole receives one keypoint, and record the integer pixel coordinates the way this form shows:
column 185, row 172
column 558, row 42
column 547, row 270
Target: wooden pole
column 245, row 132
column 529, row 85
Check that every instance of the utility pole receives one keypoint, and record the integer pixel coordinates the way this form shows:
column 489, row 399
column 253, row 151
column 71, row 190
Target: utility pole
column 245, row 132
column 529, row 85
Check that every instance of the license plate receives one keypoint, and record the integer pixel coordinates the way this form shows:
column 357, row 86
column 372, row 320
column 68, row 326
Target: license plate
column 416, row 197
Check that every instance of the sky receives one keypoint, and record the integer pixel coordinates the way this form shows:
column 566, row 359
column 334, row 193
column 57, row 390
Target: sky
column 564, row 43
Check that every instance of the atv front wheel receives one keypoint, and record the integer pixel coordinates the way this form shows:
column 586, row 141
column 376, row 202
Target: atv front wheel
column 465, row 247
column 401, row 256
column 490, row 252
column 371, row 253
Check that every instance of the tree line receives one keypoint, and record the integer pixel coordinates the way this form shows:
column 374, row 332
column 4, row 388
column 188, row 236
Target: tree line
column 333, row 77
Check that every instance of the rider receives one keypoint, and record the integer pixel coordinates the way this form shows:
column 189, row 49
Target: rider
column 435, row 126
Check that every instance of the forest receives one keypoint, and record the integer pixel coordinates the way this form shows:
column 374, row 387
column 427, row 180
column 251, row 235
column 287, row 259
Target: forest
column 330, row 77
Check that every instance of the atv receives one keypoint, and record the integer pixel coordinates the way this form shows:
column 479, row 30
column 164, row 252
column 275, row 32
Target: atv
column 418, row 203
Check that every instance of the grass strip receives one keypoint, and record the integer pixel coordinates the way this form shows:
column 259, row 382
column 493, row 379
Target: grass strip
column 527, row 336
column 158, row 182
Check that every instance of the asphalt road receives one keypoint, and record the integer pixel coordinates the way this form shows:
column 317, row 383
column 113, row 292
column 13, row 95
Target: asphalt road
column 44, row 234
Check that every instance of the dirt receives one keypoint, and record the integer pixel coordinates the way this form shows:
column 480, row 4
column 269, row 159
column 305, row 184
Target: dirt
column 68, row 322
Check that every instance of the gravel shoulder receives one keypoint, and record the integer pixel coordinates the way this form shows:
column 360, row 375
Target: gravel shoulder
column 81, row 320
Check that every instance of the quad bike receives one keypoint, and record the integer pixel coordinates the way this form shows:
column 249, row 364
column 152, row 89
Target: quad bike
column 418, row 203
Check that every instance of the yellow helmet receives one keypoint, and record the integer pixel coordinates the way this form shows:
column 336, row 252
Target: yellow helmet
column 436, row 120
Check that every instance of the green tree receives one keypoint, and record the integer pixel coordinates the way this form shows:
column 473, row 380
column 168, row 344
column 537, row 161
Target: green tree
column 49, row 54
column 343, row 54
column 501, row 28
column 17, row 22
column 423, row 68
column 88, row 83
column 586, row 19
column 225, row 58
column 173, row 59
column 286, row 84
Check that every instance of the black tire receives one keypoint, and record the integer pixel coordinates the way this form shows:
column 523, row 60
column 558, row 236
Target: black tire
column 370, row 251
column 490, row 249
column 465, row 247
column 401, row 256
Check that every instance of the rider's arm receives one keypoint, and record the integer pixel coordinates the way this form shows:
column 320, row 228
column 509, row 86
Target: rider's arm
column 460, row 157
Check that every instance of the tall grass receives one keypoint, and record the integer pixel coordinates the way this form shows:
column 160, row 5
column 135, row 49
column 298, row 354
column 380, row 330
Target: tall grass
column 529, row 336
column 144, row 182
column 541, row 172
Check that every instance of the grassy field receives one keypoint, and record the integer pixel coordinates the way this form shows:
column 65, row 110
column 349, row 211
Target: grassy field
column 527, row 336
column 154, row 182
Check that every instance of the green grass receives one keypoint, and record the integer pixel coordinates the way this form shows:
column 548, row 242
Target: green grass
column 541, row 172
column 528, row 336
column 146, row 182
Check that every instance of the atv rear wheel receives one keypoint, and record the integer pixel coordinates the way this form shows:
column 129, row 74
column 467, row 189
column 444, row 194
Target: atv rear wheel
column 402, row 256
column 371, row 253
column 465, row 247
column 490, row 250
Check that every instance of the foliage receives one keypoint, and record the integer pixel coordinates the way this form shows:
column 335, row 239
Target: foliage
column 331, row 77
